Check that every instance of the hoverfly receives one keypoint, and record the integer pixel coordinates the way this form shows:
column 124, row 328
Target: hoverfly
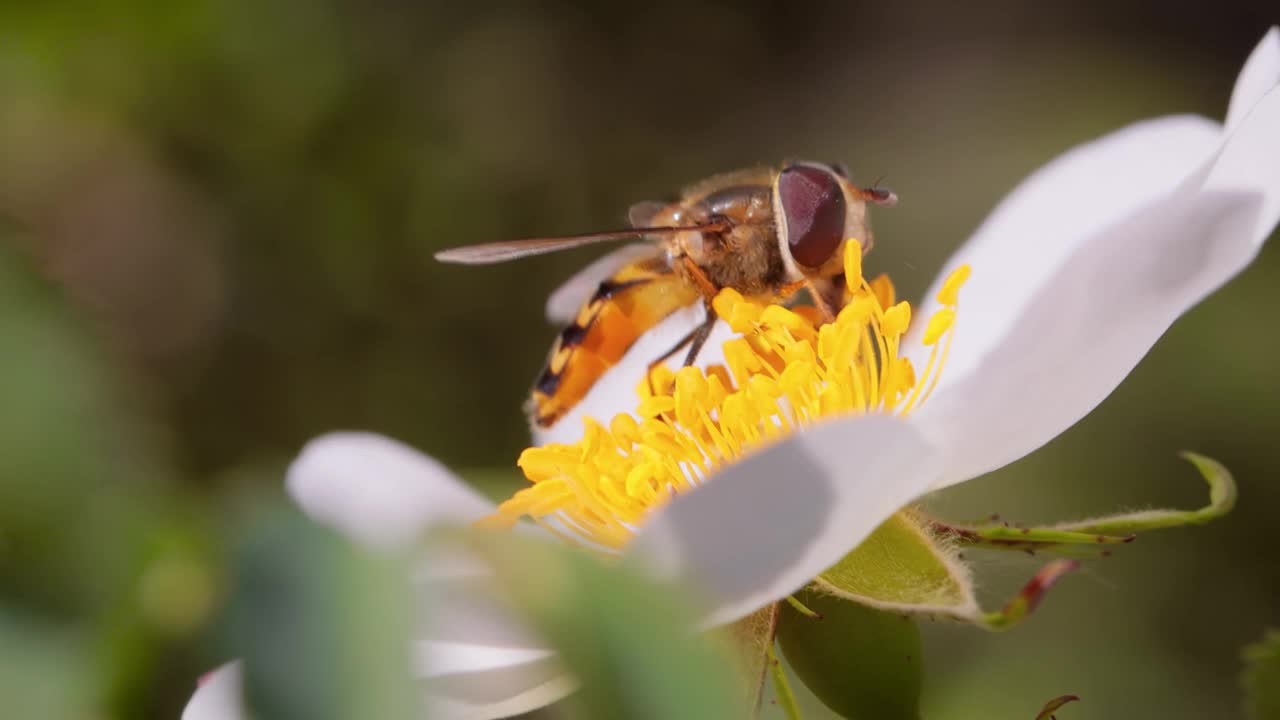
column 765, row 232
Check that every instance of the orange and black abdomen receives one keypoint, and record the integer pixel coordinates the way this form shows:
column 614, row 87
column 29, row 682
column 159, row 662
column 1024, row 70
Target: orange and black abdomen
column 625, row 306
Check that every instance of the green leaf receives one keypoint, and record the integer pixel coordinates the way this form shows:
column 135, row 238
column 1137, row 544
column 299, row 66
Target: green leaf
column 1262, row 677
column 901, row 567
column 322, row 625
column 630, row 643
column 864, row 664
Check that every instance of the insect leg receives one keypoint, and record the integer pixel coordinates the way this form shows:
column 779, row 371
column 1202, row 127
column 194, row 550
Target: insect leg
column 708, row 288
column 823, row 299
column 694, row 340
column 699, row 336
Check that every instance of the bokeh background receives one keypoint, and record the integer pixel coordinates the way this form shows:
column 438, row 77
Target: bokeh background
column 217, row 225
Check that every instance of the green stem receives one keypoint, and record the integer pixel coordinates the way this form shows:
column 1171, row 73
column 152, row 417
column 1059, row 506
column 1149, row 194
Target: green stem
column 782, row 686
column 802, row 608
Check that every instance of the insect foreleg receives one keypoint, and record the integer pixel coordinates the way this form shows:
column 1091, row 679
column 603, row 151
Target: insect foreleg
column 694, row 340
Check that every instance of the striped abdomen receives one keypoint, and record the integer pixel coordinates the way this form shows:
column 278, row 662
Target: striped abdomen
column 625, row 306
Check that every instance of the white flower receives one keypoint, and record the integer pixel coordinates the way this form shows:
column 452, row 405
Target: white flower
column 1076, row 274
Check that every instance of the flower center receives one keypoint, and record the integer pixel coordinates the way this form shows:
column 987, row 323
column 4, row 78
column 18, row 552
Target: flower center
column 788, row 370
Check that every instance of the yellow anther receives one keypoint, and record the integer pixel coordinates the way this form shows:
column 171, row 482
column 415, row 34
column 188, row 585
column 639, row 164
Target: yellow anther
column 764, row 387
column 624, row 429
column 857, row 312
column 654, row 406
column 690, row 396
column 641, row 477
column 950, row 292
column 776, row 316
column 896, row 319
column 939, row 324
column 740, row 313
column 545, row 463
column 725, row 300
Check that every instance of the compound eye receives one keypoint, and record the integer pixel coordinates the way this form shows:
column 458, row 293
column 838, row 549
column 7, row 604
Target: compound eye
column 813, row 208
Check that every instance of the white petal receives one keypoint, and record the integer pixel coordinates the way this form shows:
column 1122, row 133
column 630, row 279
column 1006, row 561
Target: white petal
column 218, row 697
column 1073, row 343
column 564, row 303
column 763, row 527
column 1050, row 215
column 615, row 391
column 1261, row 73
column 378, row 491
column 1250, row 160
column 1070, row 344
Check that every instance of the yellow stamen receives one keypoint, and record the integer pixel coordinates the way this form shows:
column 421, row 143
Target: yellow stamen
column 786, row 371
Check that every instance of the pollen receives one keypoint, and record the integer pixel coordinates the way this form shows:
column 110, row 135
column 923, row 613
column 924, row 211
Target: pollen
column 786, row 370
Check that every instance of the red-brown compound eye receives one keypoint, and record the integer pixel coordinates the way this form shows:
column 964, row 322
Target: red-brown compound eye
column 813, row 208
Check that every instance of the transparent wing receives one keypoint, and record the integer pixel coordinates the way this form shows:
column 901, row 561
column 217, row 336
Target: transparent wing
column 563, row 304
column 513, row 249
column 643, row 213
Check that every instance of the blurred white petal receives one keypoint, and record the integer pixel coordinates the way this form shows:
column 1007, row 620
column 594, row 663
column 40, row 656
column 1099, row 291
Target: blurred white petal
column 1049, row 216
column 469, row 681
column 763, row 527
column 218, row 697
column 470, row 610
column 447, row 658
column 1261, row 73
column 491, row 695
column 378, row 491
column 615, row 391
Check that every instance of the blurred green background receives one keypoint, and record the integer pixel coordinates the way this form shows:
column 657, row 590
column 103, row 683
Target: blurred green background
column 217, row 228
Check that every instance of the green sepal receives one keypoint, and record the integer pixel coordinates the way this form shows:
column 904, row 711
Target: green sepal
column 1028, row 597
column 1222, row 498
column 1261, row 678
column 1025, row 539
column 751, row 641
column 900, row 566
column 903, row 567
column 1099, row 532
column 864, row 664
